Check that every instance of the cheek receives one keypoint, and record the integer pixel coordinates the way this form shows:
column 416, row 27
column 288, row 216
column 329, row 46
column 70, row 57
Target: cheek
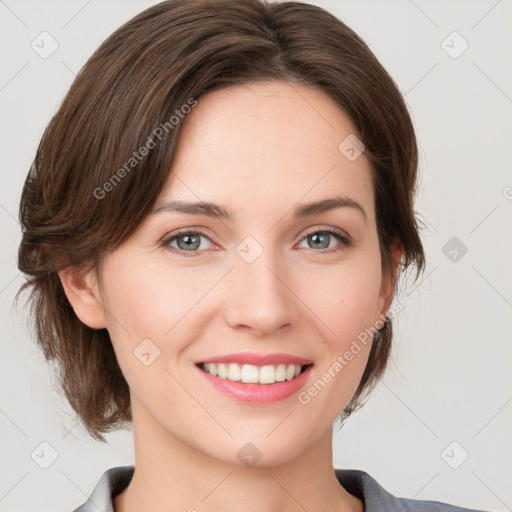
column 345, row 298
column 155, row 302
column 152, row 314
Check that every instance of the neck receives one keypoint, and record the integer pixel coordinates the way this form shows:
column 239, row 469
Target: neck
column 173, row 476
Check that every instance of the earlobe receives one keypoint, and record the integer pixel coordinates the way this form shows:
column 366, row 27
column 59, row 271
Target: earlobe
column 83, row 295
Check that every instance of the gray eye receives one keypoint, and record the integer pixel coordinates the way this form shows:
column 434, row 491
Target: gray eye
column 319, row 240
column 188, row 242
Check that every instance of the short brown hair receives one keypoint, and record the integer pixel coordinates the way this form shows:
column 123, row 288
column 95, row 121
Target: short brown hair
column 137, row 80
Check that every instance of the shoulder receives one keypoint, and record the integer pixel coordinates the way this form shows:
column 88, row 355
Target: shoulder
column 111, row 483
column 377, row 499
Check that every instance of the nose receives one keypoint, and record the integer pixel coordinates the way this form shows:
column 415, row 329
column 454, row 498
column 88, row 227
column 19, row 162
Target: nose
column 259, row 296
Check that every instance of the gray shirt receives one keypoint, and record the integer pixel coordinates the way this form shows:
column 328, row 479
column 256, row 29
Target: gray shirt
column 357, row 483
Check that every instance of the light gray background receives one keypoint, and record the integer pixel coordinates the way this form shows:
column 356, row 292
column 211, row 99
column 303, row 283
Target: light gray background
column 449, row 379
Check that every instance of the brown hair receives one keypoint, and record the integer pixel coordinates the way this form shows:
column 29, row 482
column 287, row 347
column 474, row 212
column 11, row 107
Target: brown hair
column 139, row 79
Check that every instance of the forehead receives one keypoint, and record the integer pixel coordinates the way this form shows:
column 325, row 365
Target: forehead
column 266, row 143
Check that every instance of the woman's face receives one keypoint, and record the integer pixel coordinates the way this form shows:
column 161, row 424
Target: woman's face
column 272, row 277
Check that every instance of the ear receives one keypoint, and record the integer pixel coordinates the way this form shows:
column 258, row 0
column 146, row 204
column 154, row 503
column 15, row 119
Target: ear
column 83, row 294
column 389, row 280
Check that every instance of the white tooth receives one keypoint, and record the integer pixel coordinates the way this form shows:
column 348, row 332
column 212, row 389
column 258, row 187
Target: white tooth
column 252, row 374
column 281, row 373
column 249, row 374
column 222, row 370
column 233, row 372
column 290, row 371
column 267, row 374
column 211, row 368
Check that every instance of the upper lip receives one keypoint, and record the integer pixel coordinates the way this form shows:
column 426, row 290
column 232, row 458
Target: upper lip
column 258, row 359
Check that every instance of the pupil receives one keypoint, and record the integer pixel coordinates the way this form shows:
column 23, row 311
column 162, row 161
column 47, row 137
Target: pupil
column 321, row 239
column 190, row 242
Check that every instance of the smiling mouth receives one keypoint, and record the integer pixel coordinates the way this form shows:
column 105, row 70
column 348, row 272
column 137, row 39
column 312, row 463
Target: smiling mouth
column 252, row 374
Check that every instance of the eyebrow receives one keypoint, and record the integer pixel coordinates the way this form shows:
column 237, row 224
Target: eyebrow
column 218, row 211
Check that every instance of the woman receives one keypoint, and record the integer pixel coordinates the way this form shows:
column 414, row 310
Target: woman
column 214, row 226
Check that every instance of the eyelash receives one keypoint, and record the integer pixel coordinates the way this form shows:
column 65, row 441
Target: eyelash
column 346, row 242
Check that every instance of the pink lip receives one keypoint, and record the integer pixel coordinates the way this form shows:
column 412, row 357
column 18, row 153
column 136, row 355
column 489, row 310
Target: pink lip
column 258, row 359
column 257, row 393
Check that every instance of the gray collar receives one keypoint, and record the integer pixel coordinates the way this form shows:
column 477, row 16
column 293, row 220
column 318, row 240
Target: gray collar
column 356, row 482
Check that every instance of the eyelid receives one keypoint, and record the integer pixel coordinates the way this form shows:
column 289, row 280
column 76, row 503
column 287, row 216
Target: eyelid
column 184, row 231
column 327, row 229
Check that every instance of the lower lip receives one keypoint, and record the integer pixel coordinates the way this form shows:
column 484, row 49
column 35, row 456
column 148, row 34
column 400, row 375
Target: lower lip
column 257, row 393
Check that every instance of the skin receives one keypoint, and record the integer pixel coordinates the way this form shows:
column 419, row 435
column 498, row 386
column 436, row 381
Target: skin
column 260, row 151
